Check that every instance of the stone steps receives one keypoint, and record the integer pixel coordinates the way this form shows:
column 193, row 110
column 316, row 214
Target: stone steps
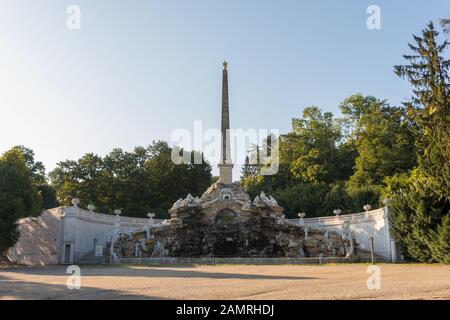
column 90, row 258
column 365, row 256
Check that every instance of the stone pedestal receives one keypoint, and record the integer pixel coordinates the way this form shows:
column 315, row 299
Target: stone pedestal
column 226, row 173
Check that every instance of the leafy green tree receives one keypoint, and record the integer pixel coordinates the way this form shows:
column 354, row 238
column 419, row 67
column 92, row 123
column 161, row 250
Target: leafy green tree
column 303, row 197
column 254, row 184
column 315, row 138
column 48, row 194
column 77, row 179
column 417, row 221
column 170, row 181
column 122, row 182
column 440, row 241
column 247, row 169
column 421, row 199
column 313, row 161
column 429, row 107
column 19, row 196
column 36, row 169
column 39, row 177
column 382, row 138
column 138, row 182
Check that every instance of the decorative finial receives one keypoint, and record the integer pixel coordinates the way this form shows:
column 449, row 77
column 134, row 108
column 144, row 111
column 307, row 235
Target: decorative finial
column 75, row 202
column 225, row 64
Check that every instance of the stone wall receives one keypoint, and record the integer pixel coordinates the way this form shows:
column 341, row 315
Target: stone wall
column 39, row 240
column 43, row 238
column 374, row 223
column 81, row 228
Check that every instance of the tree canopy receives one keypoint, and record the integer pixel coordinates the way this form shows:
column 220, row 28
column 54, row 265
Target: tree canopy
column 19, row 196
column 421, row 197
column 138, row 182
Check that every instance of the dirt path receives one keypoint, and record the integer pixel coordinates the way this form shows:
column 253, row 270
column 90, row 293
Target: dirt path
column 398, row 281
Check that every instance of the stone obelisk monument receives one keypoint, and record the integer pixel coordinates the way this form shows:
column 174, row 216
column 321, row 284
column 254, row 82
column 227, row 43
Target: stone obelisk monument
column 226, row 164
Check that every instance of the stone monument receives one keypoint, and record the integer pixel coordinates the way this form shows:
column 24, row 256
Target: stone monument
column 224, row 221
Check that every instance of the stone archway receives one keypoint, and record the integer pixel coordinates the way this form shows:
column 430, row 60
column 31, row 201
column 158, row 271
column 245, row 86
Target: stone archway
column 227, row 233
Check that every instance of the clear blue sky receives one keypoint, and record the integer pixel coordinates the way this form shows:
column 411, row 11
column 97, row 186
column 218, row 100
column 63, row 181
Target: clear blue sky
column 137, row 70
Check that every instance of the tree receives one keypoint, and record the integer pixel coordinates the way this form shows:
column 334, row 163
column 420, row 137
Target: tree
column 39, row 178
column 416, row 220
column 315, row 139
column 313, row 161
column 36, row 169
column 78, row 179
column 421, row 199
column 429, row 108
column 170, row 181
column 19, row 196
column 247, row 169
column 138, row 182
column 382, row 137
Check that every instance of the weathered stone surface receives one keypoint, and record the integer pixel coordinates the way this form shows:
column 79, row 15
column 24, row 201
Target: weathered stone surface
column 225, row 222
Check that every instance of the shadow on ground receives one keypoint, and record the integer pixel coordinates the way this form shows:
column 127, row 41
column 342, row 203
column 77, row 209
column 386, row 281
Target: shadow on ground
column 148, row 271
column 24, row 290
column 13, row 287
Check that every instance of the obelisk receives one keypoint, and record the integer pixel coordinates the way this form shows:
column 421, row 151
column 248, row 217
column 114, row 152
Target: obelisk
column 225, row 165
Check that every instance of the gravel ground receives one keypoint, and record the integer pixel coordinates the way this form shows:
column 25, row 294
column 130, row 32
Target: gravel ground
column 343, row 281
